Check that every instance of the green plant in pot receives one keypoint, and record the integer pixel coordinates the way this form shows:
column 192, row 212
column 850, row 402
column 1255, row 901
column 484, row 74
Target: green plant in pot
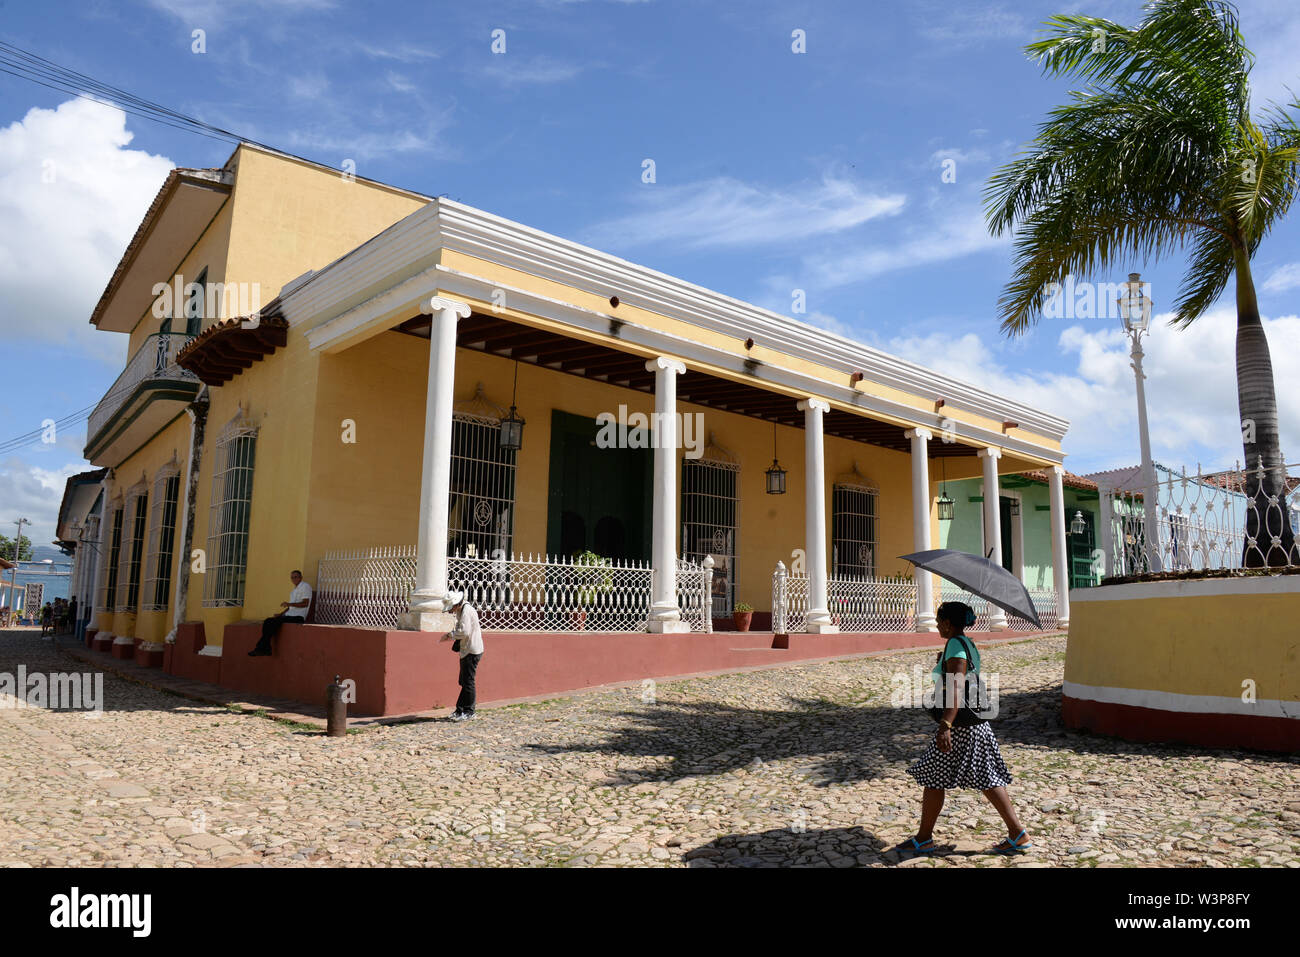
column 594, row 577
column 741, row 615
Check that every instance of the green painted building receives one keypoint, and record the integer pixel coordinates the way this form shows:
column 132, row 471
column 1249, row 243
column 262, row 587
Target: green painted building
column 1026, row 519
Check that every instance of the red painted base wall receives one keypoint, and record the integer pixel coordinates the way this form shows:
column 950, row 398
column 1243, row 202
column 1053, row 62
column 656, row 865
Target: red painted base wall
column 1206, row 730
column 399, row 672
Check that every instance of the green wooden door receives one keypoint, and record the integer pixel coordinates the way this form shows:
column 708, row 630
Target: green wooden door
column 600, row 498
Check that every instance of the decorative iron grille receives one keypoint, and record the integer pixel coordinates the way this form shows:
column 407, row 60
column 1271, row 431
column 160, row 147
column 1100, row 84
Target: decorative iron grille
column 136, row 512
column 854, row 504
column 232, row 497
column 709, row 507
column 162, row 539
column 108, row 597
column 480, row 512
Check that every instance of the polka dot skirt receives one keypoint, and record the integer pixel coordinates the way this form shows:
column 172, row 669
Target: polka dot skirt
column 973, row 762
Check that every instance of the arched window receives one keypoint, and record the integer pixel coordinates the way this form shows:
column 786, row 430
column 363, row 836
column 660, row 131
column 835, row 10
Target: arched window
column 162, row 539
column 230, row 504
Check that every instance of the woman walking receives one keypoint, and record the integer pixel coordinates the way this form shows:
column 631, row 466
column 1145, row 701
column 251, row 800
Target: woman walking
column 961, row 757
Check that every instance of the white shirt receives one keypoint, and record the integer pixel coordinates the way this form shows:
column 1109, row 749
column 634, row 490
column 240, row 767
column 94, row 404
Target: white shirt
column 467, row 630
column 301, row 592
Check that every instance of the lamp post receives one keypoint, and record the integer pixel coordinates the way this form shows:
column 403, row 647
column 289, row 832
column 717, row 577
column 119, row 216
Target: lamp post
column 13, row 573
column 1135, row 309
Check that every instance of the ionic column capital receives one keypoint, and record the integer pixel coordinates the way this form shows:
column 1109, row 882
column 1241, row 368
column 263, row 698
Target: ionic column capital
column 667, row 363
column 1058, row 471
column 918, row 433
column 813, row 405
column 990, row 453
column 442, row 304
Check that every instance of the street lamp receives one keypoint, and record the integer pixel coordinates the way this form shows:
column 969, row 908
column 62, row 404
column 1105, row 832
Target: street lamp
column 776, row 474
column 511, row 434
column 1135, row 310
column 13, row 573
column 1078, row 526
column 947, row 507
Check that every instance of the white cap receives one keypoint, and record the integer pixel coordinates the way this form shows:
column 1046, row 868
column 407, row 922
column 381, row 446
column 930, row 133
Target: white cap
column 454, row 598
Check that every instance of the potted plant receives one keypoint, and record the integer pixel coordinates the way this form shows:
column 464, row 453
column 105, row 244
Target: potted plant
column 741, row 615
column 594, row 577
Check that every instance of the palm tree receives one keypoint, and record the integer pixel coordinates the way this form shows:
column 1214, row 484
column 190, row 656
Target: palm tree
column 1158, row 154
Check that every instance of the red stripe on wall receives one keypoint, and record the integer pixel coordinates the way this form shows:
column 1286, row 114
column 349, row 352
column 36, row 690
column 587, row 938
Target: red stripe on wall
column 1262, row 733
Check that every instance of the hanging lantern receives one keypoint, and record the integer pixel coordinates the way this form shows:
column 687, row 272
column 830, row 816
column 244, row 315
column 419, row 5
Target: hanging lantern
column 776, row 474
column 1078, row 526
column 1015, row 506
column 947, row 507
column 511, row 435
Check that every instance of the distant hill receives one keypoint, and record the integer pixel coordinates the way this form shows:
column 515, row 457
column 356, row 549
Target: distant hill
column 42, row 552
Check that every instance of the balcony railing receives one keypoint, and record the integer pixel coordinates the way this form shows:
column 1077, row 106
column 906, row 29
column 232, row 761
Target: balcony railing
column 155, row 359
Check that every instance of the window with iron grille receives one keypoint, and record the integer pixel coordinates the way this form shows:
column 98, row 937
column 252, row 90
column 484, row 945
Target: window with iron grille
column 162, row 540
column 108, row 599
column 709, row 523
column 481, row 508
column 228, row 515
column 854, row 507
column 135, row 515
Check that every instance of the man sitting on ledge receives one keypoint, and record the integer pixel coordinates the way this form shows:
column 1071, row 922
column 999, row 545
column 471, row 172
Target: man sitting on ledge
column 295, row 609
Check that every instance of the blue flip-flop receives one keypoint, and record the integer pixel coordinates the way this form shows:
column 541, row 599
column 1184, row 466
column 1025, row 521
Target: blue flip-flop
column 917, row 847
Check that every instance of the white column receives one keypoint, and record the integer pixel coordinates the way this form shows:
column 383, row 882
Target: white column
column 925, row 620
column 993, row 525
column 665, row 616
column 818, row 621
column 1060, row 573
column 427, row 606
column 1106, row 536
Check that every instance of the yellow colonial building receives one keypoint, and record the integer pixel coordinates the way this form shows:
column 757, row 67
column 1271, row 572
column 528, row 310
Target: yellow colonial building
column 400, row 394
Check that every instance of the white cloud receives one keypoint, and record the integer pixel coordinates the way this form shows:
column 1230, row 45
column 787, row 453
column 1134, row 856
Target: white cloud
column 513, row 70
column 940, row 238
column 1191, row 388
column 73, row 195
column 960, row 25
column 34, row 493
column 727, row 212
column 1283, row 278
column 208, row 13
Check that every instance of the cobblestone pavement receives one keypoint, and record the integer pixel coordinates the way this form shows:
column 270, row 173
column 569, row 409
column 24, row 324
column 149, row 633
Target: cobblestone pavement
column 799, row 765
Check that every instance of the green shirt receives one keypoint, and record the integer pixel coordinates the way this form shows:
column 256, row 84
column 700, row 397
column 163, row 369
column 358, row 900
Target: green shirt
column 956, row 648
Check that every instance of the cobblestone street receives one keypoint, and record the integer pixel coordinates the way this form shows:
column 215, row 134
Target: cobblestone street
column 797, row 765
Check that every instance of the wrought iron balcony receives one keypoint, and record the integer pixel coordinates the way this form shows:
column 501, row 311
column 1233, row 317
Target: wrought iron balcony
column 150, row 392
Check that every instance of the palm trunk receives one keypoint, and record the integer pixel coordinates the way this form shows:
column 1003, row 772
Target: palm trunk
column 1268, row 523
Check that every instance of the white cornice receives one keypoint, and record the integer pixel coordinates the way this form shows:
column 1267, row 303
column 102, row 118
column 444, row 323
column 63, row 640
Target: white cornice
column 394, row 258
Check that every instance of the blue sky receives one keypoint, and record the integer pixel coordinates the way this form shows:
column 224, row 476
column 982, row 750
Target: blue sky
column 774, row 171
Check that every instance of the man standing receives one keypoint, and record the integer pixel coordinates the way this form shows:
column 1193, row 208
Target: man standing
column 295, row 610
column 469, row 642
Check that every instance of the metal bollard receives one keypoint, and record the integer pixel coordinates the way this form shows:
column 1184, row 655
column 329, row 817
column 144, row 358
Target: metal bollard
column 336, row 710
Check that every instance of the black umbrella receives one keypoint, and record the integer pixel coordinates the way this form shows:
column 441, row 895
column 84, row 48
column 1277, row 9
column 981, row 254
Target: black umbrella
column 981, row 577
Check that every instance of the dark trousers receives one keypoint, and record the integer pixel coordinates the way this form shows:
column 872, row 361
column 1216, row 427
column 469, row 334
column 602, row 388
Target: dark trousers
column 271, row 628
column 468, row 669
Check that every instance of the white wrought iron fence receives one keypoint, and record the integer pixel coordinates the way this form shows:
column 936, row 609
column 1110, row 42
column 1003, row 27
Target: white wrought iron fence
column 370, row 588
column 1215, row 520
column 1044, row 600
column 856, row 603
